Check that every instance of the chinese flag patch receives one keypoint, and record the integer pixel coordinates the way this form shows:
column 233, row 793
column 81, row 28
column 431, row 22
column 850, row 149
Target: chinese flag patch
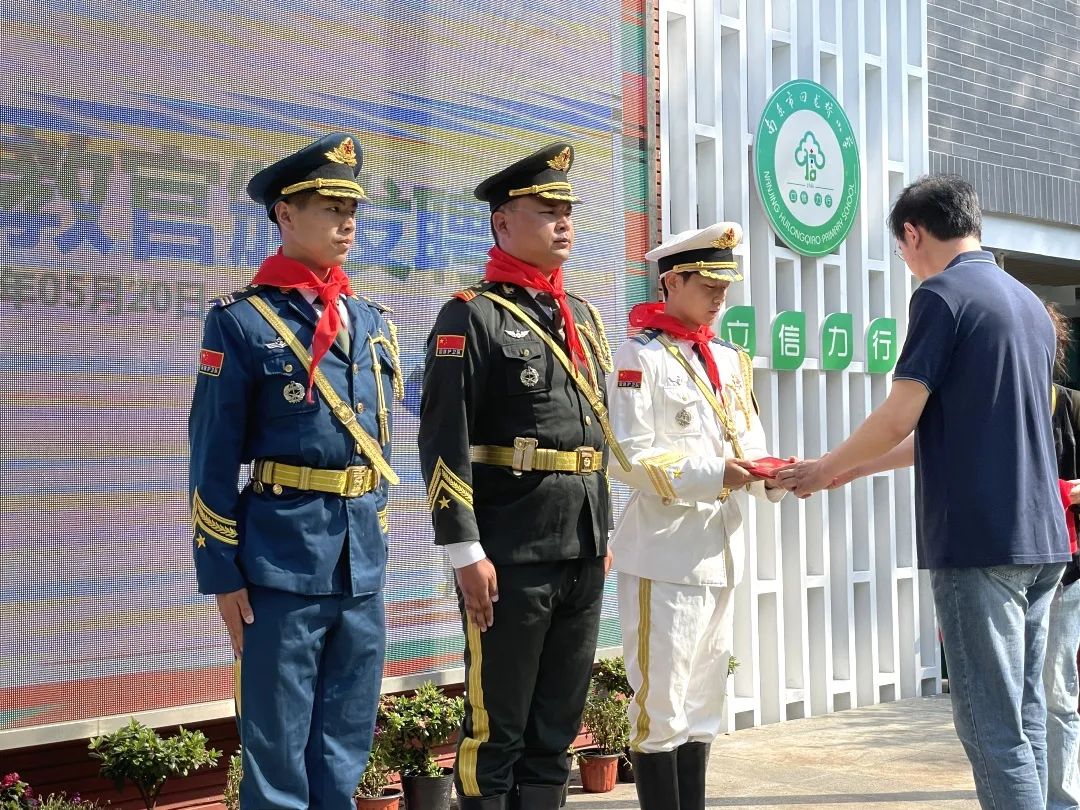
column 450, row 346
column 629, row 378
column 210, row 362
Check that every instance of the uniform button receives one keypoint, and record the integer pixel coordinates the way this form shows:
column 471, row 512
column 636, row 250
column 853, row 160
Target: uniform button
column 277, row 489
column 355, row 368
column 588, row 420
column 359, row 407
column 258, row 487
column 288, row 368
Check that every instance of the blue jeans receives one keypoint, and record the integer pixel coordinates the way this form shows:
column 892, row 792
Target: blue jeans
column 1060, row 681
column 993, row 624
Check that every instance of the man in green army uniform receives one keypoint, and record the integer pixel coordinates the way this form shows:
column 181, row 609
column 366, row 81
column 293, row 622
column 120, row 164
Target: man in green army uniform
column 513, row 449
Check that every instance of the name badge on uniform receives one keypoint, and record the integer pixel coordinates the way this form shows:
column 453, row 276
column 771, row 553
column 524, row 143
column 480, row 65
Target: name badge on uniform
column 629, row 378
column 450, row 346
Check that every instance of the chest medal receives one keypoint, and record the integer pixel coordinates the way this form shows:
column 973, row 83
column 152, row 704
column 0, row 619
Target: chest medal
column 529, row 376
column 684, row 418
column 294, row 393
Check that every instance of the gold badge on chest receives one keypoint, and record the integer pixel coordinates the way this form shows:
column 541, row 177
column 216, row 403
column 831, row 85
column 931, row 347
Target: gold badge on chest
column 294, row 393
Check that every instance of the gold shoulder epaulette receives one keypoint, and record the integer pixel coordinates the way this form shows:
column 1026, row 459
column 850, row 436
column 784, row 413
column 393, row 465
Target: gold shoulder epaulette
column 233, row 297
column 469, row 293
column 376, row 304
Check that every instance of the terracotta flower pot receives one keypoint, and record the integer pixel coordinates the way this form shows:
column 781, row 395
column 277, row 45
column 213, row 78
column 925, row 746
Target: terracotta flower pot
column 599, row 772
column 390, row 800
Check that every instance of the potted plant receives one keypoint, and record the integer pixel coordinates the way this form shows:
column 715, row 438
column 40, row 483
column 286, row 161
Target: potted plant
column 231, row 797
column 15, row 794
column 412, row 726
column 138, row 753
column 610, row 676
column 374, row 791
column 608, row 725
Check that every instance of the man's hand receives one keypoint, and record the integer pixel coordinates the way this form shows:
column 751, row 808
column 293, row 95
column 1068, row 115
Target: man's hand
column 480, row 589
column 610, row 558
column 736, row 475
column 805, row 477
column 772, row 483
column 236, row 611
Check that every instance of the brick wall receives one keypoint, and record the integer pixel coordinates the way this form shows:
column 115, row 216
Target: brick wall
column 1004, row 102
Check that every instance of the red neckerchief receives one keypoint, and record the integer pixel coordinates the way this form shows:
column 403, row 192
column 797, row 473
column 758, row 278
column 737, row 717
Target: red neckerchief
column 652, row 316
column 504, row 268
column 281, row 271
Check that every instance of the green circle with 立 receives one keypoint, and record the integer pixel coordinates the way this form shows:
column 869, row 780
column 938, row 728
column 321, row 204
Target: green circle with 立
column 805, row 147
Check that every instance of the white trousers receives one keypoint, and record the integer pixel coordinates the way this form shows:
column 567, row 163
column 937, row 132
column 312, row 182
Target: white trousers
column 677, row 644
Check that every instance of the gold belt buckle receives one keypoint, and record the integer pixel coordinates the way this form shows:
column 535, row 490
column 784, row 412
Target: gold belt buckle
column 524, row 452
column 586, row 458
column 354, row 481
column 344, row 413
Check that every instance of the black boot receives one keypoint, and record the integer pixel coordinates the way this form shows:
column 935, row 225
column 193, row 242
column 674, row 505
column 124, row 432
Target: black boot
column 539, row 797
column 482, row 802
column 693, row 758
column 656, row 777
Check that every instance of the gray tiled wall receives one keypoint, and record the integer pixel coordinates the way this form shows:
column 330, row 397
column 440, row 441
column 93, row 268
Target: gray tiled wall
column 1004, row 102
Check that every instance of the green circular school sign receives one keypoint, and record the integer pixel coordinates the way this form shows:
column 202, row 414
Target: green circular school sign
column 806, row 162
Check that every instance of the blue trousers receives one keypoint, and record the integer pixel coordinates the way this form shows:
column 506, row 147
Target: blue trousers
column 1060, row 681
column 309, row 688
column 993, row 624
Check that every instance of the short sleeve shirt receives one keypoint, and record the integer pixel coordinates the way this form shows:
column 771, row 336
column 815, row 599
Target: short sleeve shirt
column 985, row 471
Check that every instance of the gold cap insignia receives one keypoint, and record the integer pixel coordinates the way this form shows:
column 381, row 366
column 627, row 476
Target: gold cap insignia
column 345, row 153
column 561, row 162
column 726, row 241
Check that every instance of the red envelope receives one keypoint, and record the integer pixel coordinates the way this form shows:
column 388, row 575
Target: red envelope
column 766, row 467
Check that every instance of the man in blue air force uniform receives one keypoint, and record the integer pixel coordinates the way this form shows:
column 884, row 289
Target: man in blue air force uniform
column 296, row 558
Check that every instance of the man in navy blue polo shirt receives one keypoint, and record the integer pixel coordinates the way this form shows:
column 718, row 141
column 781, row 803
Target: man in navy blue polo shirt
column 970, row 407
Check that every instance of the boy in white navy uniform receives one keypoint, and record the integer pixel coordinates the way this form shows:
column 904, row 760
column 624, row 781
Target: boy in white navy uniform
column 683, row 410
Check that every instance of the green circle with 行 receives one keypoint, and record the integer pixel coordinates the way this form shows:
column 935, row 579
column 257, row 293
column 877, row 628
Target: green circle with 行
column 805, row 152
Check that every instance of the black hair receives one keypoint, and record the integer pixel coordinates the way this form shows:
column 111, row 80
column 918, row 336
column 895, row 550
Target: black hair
column 944, row 204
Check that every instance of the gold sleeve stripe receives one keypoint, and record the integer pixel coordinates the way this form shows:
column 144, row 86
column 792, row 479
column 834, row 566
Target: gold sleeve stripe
column 384, row 521
column 657, row 468
column 604, row 353
column 205, row 519
column 445, row 483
